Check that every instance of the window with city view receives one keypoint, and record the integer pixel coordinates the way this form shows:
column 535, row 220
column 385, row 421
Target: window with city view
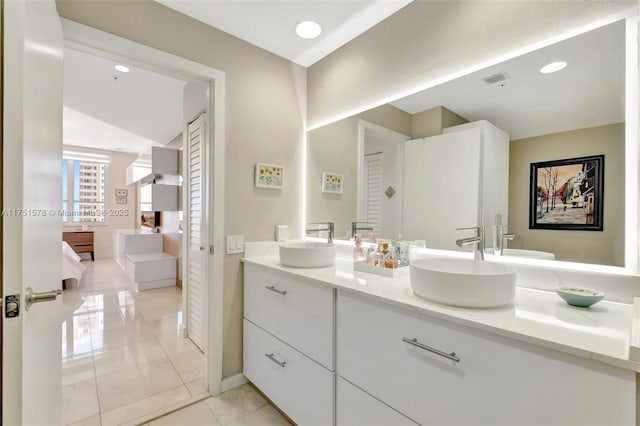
column 83, row 191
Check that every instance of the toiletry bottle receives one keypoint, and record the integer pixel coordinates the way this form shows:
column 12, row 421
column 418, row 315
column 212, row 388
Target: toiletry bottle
column 382, row 247
column 497, row 235
column 370, row 258
column 385, row 255
column 357, row 249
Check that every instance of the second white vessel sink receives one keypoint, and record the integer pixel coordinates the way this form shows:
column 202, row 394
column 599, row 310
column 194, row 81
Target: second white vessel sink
column 531, row 254
column 463, row 282
column 307, row 254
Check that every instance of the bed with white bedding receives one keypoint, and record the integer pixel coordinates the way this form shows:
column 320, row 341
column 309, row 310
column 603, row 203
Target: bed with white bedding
column 72, row 269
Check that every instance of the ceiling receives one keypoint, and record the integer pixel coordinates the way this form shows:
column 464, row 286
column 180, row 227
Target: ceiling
column 107, row 109
column 271, row 24
column 131, row 111
column 82, row 130
column 588, row 92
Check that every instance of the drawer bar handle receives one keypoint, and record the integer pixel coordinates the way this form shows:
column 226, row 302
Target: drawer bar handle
column 277, row 290
column 452, row 356
column 272, row 358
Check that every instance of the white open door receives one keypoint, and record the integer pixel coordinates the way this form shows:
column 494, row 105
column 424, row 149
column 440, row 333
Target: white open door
column 196, row 220
column 32, row 194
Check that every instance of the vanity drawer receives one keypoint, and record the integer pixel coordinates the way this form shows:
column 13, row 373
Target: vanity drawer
column 294, row 310
column 497, row 381
column 356, row 408
column 300, row 387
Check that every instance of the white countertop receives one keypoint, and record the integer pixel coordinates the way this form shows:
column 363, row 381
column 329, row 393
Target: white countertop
column 602, row 332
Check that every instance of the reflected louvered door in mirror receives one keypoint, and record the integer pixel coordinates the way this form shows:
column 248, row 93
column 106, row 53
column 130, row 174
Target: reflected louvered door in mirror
column 373, row 204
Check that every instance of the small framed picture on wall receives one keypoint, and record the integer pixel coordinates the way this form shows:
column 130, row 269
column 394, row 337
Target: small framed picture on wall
column 332, row 183
column 269, row 176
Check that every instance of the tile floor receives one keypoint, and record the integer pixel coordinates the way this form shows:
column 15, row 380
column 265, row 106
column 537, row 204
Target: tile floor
column 242, row 406
column 123, row 357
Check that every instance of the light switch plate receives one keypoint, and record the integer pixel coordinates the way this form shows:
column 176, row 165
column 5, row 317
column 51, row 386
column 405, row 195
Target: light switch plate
column 235, row 244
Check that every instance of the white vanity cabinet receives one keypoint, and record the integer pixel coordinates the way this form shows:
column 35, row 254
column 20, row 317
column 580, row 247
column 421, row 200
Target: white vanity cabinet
column 288, row 337
column 497, row 381
column 356, row 408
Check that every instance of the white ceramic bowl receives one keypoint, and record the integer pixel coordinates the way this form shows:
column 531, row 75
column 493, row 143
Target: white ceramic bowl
column 581, row 297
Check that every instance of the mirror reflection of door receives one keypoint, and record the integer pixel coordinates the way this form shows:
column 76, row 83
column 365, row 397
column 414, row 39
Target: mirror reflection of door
column 373, row 188
column 382, row 175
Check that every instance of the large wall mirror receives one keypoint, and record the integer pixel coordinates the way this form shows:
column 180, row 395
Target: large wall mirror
column 425, row 164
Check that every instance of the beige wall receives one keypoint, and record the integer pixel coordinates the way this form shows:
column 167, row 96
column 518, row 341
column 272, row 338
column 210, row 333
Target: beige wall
column 431, row 122
column 428, row 40
column 449, row 118
column 334, row 148
column 606, row 247
column 265, row 106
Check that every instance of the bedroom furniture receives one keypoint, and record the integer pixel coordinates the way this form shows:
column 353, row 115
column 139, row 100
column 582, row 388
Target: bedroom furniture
column 152, row 270
column 72, row 269
column 135, row 241
column 140, row 253
column 80, row 241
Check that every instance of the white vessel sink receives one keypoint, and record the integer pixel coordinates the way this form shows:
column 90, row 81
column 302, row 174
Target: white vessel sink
column 463, row 282
column 531, row 254
column 307, row 254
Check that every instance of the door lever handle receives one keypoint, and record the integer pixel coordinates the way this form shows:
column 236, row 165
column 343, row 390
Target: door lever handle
column 46, row 296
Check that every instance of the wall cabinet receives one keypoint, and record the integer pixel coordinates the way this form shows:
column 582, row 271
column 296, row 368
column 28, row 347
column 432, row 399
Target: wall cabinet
column 467, row 168
column 288, row 334
column 155, row 164
column 497, row 381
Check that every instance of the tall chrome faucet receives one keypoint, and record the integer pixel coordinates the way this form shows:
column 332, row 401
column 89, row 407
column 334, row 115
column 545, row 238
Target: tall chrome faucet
column 477, row 241
column 499, row 236
column 329, row 228
column 357, row 226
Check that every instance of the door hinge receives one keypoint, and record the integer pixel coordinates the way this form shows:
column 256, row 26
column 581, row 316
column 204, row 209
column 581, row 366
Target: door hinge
column 211, row 250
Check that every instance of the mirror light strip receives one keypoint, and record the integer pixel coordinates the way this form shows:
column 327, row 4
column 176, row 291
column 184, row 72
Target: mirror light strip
column 631, row 147
column 630, row 13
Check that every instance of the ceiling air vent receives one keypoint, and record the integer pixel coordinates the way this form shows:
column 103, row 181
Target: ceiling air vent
column 496, row 78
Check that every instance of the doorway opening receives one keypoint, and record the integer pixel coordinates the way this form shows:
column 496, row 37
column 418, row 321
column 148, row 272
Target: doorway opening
column 124, row 326
column 380, row 179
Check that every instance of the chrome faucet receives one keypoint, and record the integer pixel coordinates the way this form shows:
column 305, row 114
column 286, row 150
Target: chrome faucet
column 355, row 227
column 499, row 236
column 329, row 228
column 498, row 240
column 477, row 241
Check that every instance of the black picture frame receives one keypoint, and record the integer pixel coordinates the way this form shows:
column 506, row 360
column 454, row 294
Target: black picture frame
column 577, row 185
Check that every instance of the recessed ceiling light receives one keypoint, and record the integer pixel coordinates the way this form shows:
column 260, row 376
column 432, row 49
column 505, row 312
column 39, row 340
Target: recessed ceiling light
column 122, row 68
column 308, row 29
column 553, row 67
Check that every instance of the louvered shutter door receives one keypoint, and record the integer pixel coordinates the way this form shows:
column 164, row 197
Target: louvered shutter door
column 196, row 270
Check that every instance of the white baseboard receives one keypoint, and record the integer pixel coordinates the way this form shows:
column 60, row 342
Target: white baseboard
column 233, row 382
